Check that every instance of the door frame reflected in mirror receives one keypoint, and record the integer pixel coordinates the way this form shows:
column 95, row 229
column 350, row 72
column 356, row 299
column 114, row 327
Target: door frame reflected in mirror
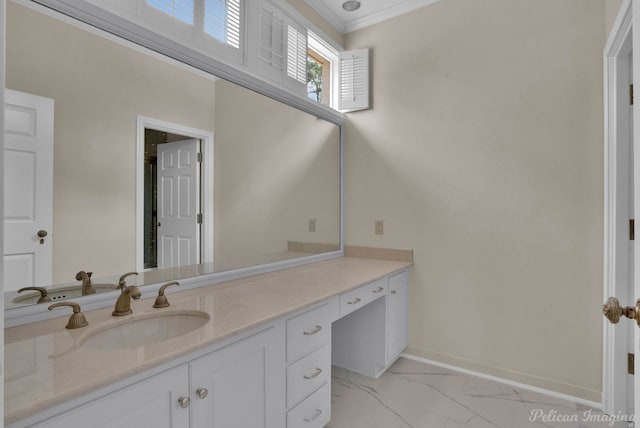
column 206, row 183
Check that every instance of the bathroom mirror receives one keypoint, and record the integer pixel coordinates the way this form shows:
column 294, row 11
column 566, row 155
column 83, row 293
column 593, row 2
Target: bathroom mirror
column 265, row 188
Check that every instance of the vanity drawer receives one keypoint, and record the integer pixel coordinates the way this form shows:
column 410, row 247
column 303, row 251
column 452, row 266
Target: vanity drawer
column 355, row 299
column 314, row 412
column 377, row 288
column 308, row 374
column 308, row 331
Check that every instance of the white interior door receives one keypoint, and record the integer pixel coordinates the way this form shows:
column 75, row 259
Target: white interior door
column 635, row 8
column 178, row 204
column 28, row 192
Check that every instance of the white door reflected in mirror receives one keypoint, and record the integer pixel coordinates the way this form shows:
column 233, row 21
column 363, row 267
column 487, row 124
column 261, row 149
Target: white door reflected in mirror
column 28, row 195
column 178, row 231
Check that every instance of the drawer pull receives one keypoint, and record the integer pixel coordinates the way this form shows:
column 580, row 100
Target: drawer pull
column 315, row 374
column 315, row 330
column 315, row 416
column 355, row 302
column 378, row 290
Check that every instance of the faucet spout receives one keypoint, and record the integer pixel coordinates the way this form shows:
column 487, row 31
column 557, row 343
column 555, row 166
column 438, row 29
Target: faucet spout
column 123, row 304
column 87, row 286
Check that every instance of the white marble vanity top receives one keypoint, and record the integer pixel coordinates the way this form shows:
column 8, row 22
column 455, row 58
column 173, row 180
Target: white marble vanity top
column 45, row 366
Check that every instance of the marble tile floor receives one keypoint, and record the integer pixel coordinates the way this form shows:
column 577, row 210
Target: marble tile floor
column 411, row 394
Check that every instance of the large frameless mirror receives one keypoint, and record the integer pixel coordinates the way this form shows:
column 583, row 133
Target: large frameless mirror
column 128, row 161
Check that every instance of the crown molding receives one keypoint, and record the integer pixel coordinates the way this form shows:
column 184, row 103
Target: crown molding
column 328, row 14
column 374, row 18
column 383, row 15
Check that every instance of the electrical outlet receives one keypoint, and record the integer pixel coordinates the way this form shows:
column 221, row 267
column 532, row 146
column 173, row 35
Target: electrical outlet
column 379, row 227
column 312, row 225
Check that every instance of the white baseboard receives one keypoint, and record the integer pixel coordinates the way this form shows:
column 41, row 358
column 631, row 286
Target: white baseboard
column 519, row 385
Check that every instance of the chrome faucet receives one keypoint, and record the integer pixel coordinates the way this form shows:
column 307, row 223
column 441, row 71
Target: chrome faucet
column 87, row 286
column 128, row 292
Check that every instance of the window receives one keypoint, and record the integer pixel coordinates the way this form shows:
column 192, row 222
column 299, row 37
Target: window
column 222, row 21
column 322, row 62
column 180, row 9
column 220, row 18
column 318, row 78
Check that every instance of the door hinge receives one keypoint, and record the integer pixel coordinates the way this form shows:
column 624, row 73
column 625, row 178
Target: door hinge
column 632, row 229
column 199, row 157
column 631, row 94
column 631, row 360
column 199, row 218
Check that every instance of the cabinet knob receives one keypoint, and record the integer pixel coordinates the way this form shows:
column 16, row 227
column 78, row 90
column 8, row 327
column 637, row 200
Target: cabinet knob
column 394, row 292
column 202, row 392
column 184, row 402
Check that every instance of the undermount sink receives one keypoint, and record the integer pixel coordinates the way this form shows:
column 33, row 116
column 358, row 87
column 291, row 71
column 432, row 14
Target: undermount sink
column 145, row 330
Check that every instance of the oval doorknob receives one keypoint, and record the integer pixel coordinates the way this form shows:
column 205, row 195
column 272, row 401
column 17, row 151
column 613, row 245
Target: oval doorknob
column 613, row 311
column 42, row 233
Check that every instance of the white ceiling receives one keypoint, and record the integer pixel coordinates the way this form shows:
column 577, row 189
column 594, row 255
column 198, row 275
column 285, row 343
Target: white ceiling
column 371, row 12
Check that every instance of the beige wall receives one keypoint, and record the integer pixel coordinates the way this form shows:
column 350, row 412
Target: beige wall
column 276, row 168
column 612, row 7
column 483, row 152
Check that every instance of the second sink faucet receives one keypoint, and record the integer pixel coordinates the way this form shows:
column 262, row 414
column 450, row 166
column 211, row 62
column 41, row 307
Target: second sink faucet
column 128, row 292
column 87, row 286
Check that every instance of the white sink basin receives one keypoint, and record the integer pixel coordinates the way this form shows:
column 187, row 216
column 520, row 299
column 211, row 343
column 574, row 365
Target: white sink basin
column 145, row 330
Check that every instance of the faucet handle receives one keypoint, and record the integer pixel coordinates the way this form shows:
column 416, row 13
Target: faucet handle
column 44, row 297
column 77, row 319
column 161, row 300
column 122, row 282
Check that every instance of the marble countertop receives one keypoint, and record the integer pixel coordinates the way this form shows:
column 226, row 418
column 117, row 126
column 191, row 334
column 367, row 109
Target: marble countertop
column 44, row 366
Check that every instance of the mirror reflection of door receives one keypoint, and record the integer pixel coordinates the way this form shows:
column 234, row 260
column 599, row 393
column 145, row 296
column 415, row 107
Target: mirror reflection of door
column 28, row 191
column 172, row 200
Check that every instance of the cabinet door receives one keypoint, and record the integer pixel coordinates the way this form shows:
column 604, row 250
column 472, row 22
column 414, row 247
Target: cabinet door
column 398, row 315
column 239, row 381
column 152, row 403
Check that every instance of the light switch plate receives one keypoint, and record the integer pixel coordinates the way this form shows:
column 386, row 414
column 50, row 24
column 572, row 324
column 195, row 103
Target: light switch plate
column 379, row 227
column 312, row 225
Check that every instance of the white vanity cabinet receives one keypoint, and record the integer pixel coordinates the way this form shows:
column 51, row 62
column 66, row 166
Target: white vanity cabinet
column 236, row 386
column 277, row 375
column 372, row 331
column 309, row 366
column 397, row 315
column 154, row 402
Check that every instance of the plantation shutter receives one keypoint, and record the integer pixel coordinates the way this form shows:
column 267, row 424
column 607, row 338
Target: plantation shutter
column 354, row 80
column 271, row 56
column 296, row 77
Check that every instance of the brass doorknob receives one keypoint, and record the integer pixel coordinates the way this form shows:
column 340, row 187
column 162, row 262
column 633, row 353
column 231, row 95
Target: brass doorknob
column 613, row 311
